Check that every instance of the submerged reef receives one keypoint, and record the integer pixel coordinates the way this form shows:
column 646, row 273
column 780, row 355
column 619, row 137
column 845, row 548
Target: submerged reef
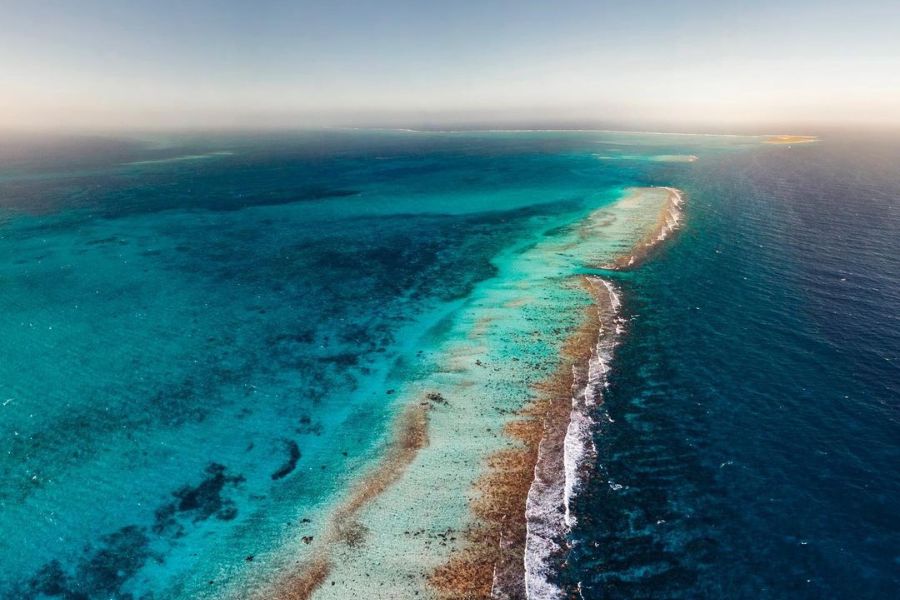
column 411, row 435
column 199, row 502
column 484, row 508
column 101, row 573
column 291, row 463
column 668, row 220
column 106, row 567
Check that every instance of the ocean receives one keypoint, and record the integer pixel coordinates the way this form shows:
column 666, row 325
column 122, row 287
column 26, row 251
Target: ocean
column 318, row 363
column 754, row 403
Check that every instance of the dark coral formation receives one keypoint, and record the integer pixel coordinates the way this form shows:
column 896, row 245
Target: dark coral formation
column 291, row 463
column 198, row 502
column 100, row 574
column 105, row 569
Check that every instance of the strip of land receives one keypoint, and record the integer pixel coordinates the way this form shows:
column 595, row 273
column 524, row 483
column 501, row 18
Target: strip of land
column 790, row 139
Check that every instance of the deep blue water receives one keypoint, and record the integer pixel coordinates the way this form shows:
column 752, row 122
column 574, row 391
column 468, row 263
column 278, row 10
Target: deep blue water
column 756, row 399
column 196, row 355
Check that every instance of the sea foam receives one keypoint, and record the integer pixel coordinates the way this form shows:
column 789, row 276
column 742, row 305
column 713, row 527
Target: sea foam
column 549, row 503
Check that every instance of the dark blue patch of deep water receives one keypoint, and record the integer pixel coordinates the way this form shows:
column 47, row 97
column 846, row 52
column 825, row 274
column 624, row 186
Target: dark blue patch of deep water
column 754, row 443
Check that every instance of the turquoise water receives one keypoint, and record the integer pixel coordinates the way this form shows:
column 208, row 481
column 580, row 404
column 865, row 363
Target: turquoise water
column 204, row 340
column 202, row 336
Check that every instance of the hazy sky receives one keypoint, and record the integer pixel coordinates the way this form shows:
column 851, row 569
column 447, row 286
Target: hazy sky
column 110, row 63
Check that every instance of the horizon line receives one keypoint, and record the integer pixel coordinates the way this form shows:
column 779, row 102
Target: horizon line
column 770, row 130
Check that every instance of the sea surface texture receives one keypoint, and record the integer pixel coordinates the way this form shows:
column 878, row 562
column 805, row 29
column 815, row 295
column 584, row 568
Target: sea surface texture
column 209, row 343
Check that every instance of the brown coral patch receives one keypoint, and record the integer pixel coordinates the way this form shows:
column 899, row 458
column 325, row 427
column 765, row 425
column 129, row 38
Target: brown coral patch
column 301, row 584
column 411, row 435
column 666, row 223
column 491, row 560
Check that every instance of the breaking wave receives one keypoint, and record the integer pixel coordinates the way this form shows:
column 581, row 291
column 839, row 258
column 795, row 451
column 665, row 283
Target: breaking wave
column 561, row 463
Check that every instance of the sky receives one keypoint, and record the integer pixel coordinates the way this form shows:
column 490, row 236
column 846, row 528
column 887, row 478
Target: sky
column 690, row 64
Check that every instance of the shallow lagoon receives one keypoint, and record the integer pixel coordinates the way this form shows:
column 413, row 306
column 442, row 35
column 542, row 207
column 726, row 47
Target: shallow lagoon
column 199, row 355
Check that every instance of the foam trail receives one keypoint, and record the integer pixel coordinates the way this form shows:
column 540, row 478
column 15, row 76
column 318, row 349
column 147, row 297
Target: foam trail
column 672, row 215
column 579, row 446
column 548, row 505
column 668, row 222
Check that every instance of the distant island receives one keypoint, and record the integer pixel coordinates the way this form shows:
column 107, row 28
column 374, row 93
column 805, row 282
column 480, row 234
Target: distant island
column 790, row 139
